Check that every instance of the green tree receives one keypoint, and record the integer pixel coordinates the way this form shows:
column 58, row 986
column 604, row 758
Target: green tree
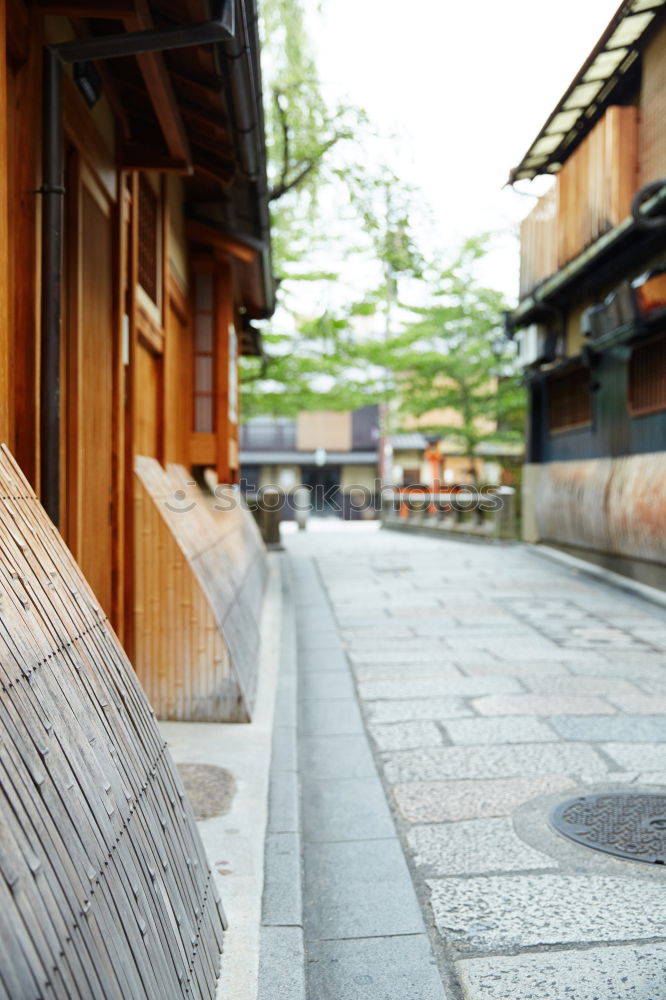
column 453, row 358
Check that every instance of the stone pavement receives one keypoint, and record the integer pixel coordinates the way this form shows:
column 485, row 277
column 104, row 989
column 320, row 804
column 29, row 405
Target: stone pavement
column 492, row 684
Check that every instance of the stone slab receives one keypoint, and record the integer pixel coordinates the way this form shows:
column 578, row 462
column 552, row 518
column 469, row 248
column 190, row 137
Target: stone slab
column 281, row 968
column 440, row 801
column 542, row 705
column 323, row 659
column 282, row 899
column 404, row 735
column 338, row 717
column 283, row 812
column 502, row 912
column 630, row 972
column 325, row 757
column 327, row 684
column 473, row 846
column 515, row 668
column 433, row 687
column 345, row 809
column 513, row 729
column 603, row 687
column 358, row 889
column 637, row 756
column 619, row 728
column 397, row 968
column 416, row 708
column 493, row 762
column 640, row 704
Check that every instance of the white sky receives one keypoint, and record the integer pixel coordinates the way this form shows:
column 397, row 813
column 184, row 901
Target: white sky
column 465, row 87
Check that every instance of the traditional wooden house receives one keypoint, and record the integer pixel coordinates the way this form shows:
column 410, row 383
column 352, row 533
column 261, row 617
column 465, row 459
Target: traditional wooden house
column 134, row 255
column 591, row 320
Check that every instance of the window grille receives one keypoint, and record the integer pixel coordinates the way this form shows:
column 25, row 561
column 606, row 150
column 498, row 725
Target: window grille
column 149, row 249
column 647, row 377
column 204, row 359
column 569, row 399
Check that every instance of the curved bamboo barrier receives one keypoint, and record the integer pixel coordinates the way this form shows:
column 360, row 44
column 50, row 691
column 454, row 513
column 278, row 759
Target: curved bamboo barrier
column 200, row 570
column 105, row 891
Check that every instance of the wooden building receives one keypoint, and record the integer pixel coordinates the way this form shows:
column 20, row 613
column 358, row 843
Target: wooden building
column 134, row 255
column 591, row 320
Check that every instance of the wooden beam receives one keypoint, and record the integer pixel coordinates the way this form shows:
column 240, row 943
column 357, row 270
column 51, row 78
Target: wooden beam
column 199, row 232
column 136, row 156
column 114, row 9
column 157, row 80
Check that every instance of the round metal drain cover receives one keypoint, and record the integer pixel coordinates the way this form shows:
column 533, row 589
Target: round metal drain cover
column 631, row 826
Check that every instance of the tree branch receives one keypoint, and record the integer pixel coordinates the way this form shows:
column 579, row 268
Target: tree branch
column 285, row 185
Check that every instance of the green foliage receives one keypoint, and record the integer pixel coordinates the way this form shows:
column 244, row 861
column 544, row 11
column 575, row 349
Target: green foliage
column 453, row 357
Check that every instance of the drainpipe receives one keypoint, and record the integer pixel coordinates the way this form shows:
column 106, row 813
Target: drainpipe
column 220, row 28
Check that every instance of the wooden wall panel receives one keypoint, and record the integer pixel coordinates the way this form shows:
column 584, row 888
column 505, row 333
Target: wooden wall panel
column 88, row 474
column 177, row 379
column 105, row 888
column 597, row 183
column 203, row 666
column 653, row 111
column 24, row 71
column 148, row 402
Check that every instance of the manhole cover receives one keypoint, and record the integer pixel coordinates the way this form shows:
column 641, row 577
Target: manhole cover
column 628, row 826
column 210, row 789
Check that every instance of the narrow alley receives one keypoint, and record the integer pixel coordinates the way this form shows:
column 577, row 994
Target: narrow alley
column 450, row 696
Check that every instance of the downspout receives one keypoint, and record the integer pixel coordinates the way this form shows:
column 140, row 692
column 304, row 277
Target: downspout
column 220, row 28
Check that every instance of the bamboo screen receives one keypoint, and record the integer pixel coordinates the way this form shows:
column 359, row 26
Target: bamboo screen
column 199, row 582
column 104, row 886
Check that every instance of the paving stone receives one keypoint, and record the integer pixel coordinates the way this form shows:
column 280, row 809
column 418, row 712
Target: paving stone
column 463, row 687
column 630, row 972
column 602, row 687
column 338, row 717
column 512, row 729
column 403, row 735
column 502, row 912
column 282, row 964
column 472, row 846
column 409, row 656
column 637, row 756
column 346, row 809
column 323, row 659
column 417, row 708
column 493, row 762
column 327, row 684
column 515, row 668
column 439, row 801
column 534, row 704
column 336, row 757
column 359, row 889
column 282, row 899
column 620, row 728
column 400, row 672
column 397, row 968
column 640, row 704
column 651, row 778
column 283, row 813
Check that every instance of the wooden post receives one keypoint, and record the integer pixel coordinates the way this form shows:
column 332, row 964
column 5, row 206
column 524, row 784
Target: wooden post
column 6, row 365
column 225, row 333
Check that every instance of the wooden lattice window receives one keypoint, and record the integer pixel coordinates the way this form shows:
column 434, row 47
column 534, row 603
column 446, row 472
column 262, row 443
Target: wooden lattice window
column 149, row 242
column 204, row 353
column 569, row 399
column 647, row 377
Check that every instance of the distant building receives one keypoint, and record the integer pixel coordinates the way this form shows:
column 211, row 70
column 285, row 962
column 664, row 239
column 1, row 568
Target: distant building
column 327, row 451
column 591, row 320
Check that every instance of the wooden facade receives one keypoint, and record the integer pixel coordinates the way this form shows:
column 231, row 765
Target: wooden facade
column 165, row 261
column 593, row 290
